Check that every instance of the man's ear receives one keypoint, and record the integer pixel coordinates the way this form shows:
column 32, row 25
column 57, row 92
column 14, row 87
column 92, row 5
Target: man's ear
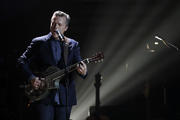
column 66, row 28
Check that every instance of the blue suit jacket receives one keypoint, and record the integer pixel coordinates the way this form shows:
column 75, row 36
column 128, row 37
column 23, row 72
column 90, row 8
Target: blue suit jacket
column 39, row 55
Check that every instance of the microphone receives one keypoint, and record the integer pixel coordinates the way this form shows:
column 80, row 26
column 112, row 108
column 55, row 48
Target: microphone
column 61, row 36
column 167, row 44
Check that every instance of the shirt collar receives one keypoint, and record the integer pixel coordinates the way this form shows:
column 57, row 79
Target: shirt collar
column 52, row 38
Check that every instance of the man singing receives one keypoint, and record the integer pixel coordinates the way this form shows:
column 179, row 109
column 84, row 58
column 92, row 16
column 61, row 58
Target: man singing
column 46, row 51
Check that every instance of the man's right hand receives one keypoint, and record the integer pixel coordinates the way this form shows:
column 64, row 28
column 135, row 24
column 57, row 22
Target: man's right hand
column 36, row 82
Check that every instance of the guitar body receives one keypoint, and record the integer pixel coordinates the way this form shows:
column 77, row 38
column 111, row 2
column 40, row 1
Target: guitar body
column 46, row 85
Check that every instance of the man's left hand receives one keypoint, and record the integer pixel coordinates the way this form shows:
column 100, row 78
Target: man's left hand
column 82, row 68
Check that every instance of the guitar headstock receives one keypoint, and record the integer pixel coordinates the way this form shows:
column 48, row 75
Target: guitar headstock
column 98, row 79
column 98, row 57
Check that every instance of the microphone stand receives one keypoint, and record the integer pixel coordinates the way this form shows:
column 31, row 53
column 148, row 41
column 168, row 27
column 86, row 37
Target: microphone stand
column 171, row 46
column 65, row 56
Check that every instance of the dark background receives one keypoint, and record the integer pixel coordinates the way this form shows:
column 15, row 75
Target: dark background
column 21, row 21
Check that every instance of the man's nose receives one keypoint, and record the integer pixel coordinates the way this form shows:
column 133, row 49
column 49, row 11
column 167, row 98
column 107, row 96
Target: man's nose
column 56, row 26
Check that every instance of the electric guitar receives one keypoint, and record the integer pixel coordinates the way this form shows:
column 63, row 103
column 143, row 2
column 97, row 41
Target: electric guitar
column 53, row 76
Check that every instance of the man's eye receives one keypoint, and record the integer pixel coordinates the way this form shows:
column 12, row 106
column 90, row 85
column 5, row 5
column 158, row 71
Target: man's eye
column 53, row 24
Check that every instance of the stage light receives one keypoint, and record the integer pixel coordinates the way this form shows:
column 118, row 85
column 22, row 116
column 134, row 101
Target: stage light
column 132, row 53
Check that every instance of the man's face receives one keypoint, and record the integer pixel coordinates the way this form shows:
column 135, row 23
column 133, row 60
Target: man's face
column 58, row 23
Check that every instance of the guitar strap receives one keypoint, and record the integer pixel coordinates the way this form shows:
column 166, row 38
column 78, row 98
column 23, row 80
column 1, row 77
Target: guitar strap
column 65, row 53
column 66, row 46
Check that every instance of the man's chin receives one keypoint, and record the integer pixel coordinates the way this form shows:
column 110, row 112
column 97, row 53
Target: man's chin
column 55, row 36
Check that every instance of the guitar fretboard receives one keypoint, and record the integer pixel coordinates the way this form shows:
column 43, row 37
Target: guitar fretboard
column 60, row 73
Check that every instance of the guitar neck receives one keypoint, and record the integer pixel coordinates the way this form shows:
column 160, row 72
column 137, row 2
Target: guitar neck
column 73, row 67
column 62, row 72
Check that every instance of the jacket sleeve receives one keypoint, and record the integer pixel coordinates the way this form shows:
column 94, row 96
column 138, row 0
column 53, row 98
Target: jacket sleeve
column 23, row 62
column 77, row 58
